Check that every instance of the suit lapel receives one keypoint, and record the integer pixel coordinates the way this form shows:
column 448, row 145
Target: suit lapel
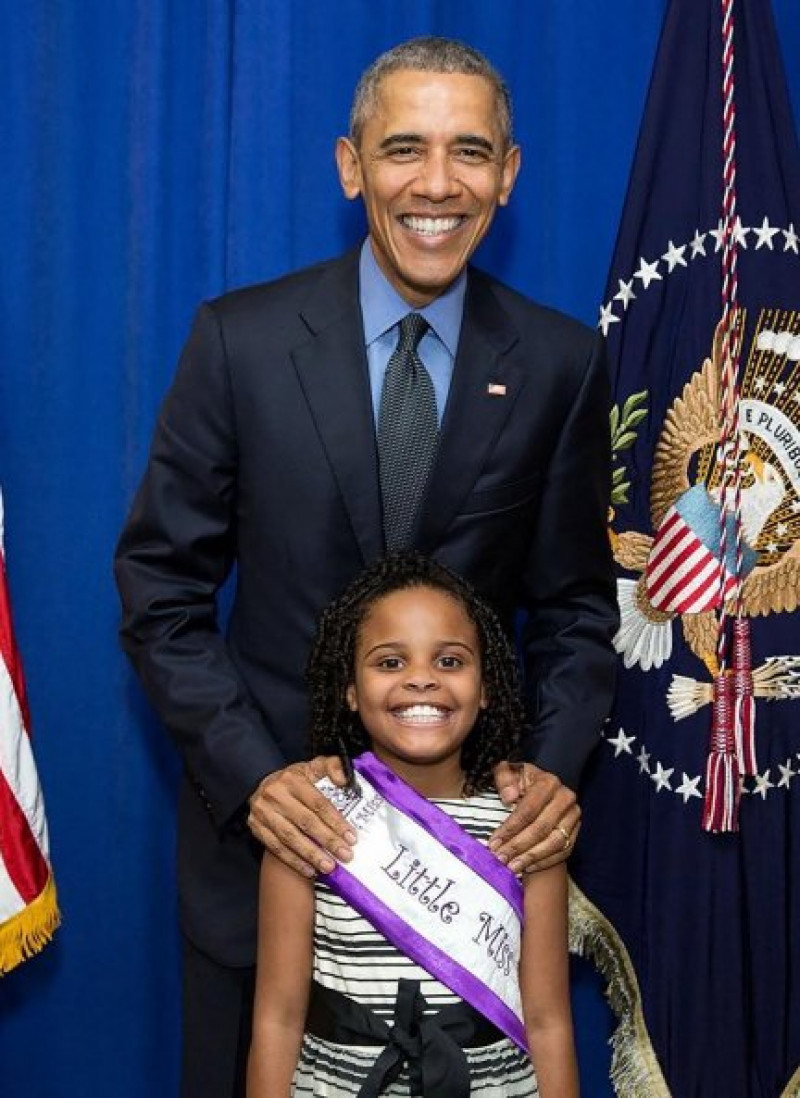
column 483, row 390
column 332, row 368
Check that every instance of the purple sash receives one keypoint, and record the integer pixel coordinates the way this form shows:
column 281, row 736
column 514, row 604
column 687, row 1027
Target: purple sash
column 434, row 892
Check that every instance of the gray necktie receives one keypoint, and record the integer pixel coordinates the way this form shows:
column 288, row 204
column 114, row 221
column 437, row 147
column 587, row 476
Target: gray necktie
column 408, row 433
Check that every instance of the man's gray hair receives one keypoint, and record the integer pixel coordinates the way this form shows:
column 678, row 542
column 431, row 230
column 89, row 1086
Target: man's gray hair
column 428, row 54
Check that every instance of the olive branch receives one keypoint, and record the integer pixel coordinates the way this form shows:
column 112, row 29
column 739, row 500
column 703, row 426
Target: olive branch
column 623, row 426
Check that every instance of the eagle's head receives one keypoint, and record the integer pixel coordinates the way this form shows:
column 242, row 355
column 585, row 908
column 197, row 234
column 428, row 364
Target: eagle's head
column 762, row 491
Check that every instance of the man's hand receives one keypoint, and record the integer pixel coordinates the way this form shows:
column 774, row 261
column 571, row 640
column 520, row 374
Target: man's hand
column 296, row 823
column 542, row 829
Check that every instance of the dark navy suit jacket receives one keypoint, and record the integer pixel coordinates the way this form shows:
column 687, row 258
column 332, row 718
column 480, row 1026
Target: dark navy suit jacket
column 264, row 456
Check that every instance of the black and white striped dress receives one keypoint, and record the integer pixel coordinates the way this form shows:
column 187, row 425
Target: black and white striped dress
column 353, row 958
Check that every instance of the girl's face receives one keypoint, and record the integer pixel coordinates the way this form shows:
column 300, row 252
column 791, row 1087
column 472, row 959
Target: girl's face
column 417, row 683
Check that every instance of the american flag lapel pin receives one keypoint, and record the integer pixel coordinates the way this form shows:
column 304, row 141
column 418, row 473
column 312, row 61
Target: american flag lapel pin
column 496, row 389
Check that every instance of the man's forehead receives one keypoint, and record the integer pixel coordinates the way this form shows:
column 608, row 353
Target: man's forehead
column 410, row 80
column 434, row 96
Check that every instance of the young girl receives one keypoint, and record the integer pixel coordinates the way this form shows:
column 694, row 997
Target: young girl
column 410, row 665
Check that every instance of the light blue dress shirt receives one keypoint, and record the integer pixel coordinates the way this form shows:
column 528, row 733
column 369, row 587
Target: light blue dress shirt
column 383, row 308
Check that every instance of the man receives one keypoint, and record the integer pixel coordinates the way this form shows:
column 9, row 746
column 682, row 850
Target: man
column 284, row 447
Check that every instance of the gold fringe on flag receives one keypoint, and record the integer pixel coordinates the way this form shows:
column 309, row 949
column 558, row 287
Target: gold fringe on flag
column 635, row 1071
column 29, row 930
column 793, row 1086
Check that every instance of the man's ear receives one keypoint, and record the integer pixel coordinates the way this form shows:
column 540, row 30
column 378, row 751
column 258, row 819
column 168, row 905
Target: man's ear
column 351, row 698
column 511, row 166
column 349, row 167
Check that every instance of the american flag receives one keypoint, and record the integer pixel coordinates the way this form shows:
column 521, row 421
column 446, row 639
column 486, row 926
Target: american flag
column 28, row 905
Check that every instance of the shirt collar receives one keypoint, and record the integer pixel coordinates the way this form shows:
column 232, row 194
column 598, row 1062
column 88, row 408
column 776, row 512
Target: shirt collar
column 382, row 306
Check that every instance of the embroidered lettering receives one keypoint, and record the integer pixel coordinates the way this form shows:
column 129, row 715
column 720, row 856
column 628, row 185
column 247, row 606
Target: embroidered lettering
column 414, row 878
column 494, row 937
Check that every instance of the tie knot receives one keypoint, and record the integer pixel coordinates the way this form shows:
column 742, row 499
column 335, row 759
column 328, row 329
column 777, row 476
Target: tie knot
column 413, row 327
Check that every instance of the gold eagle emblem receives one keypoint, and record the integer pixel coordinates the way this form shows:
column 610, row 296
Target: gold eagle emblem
column 685, row 457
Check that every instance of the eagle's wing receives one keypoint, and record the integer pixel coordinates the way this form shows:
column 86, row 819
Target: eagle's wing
column 774, row 589
column 693, row 421
column 631, row 549
column 700, row 633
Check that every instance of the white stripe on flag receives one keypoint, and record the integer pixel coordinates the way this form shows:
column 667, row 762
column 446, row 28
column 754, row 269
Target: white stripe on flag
column 671, row 538
column 11, row 903
column 702, row 579
column 17, row 762
column 701, row 592
column 677, row 568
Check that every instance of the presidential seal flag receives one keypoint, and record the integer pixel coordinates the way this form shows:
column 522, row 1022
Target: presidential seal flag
column 687, row 876
column 28, row 907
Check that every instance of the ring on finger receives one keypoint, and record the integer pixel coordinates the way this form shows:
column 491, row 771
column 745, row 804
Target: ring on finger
column 566, row 834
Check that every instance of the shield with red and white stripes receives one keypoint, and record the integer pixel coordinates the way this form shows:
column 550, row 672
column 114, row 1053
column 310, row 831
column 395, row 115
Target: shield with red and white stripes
column 683, row 574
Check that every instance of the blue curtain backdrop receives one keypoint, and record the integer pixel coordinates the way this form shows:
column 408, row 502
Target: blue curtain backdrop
column 153, row 154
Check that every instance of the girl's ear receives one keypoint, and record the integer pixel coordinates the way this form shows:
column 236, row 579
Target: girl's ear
column 352, row 698
column 484, row 702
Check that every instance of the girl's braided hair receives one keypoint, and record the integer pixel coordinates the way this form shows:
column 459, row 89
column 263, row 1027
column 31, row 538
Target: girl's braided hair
column 337, row 730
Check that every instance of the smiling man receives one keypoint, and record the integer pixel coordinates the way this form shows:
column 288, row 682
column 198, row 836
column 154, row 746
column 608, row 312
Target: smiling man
column 432, row 160
column 392, row 397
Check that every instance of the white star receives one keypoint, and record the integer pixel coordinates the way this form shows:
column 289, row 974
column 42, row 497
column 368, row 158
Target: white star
column 648, row 272
column 792, row 239
column 796, row 396
column 796, row 505
column 674, row 256
column 762, row 784
column 661, row 777
column 607, row 318
column 781, row 529
column 643, row 759
column 625, row 293
column 739, row 233
column 787, row 773
column 760, row 384
column 719, row 235
column 688, row 787
column 779, row 387
column 622, row 743
column 772, row 547
column 764, row 235
column 697, row 245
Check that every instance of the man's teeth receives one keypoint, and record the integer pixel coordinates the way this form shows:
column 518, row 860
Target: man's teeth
column 421, row 713
column 432, row 226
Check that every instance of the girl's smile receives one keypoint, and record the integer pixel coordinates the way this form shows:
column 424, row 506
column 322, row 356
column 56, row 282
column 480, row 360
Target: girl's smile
column 422, row 714
column 418, row 684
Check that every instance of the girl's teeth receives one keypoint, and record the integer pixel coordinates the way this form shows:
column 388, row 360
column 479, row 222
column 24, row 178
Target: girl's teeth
column 421, row 713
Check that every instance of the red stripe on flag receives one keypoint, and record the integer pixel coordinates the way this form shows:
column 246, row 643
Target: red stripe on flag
column 21, row 855
column 683, row 566
column 660, row 589
column 701, row 581
column 703, row 599
column 671, row 530
column 8, row 648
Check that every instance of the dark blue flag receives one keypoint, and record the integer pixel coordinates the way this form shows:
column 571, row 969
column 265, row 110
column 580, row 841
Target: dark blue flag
column 698, row 933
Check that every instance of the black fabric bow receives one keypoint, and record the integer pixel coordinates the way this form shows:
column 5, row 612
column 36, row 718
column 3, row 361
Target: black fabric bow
column 430, row 1045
